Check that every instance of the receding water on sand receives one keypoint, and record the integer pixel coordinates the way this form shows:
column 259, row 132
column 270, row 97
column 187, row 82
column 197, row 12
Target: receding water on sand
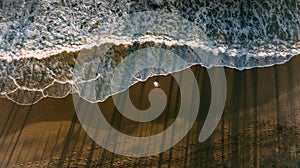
column 259, row 128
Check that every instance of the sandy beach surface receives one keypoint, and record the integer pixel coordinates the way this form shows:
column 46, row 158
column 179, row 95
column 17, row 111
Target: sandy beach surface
column 260, row 126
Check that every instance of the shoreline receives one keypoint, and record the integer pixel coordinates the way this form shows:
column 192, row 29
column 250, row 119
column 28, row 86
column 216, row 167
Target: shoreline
column 54, row 76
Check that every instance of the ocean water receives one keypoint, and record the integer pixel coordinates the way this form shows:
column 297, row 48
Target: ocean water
column 46, row 46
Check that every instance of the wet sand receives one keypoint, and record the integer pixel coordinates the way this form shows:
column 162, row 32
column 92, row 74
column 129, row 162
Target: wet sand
column 259, row 127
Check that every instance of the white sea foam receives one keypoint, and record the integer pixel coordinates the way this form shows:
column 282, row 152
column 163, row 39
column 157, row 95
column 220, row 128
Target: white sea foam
column 236, row 34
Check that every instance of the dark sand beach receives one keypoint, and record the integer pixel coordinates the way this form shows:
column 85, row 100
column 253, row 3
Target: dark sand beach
column 259, row 127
